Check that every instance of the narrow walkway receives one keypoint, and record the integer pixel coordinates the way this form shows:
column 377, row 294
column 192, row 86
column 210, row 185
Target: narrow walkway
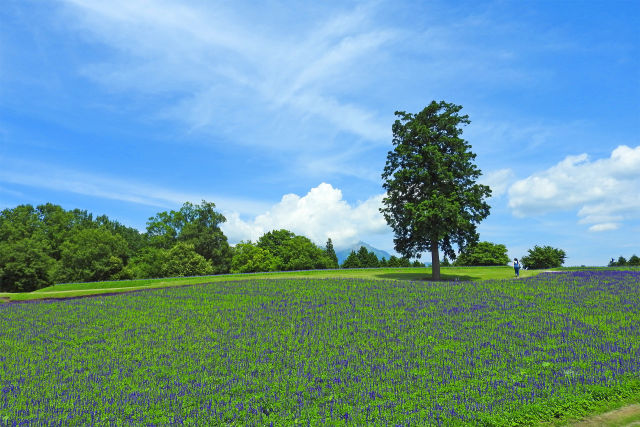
column 97, row 290
column 624, row 417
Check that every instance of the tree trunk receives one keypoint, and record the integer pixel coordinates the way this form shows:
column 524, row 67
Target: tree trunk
column 435, row 261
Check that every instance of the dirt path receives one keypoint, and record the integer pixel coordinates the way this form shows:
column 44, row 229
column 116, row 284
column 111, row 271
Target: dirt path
column 623, row 417
column 87, row 293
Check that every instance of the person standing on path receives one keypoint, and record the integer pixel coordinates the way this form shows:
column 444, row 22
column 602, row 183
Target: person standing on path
column 516, row 266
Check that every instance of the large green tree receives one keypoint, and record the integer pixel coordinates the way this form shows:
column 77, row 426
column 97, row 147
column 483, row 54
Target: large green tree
column 432, row 200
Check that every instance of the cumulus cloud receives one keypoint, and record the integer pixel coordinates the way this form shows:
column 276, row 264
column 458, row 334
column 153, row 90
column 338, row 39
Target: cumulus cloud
column 605, row 192
column 322, row 213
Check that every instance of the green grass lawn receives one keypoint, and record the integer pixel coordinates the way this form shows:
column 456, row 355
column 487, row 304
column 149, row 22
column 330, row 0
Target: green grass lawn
column 67, row 290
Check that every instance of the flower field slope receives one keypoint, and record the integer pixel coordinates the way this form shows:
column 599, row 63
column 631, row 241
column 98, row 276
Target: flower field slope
column 325, row 351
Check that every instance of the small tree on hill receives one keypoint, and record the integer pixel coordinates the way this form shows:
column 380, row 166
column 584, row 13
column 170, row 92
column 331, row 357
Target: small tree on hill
column 483, row 253
column 634, row 261
column 543, row 257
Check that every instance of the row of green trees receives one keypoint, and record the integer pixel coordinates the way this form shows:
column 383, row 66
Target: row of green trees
column 43, row 245
column 633, row 261
column 47, row 244
column 487, row 253
column 364, row 258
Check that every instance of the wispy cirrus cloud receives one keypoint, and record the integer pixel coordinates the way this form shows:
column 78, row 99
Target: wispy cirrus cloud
column 50, row 177
column 211, row 59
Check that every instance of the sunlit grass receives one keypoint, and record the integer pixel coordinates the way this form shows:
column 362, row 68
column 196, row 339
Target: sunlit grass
column 67, row 290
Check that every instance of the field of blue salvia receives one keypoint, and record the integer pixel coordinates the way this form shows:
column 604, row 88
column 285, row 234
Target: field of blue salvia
column 335, row 352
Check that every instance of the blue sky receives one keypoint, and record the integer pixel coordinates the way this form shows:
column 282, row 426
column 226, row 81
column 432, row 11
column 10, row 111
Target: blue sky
column 281, row 113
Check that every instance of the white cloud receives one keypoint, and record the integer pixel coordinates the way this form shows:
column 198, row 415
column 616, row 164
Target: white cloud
column 607, row 226
column 498, row 180
column 605, row 191
column 320, row 214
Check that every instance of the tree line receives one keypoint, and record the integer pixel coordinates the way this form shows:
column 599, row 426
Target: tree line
column 46, row 244
column 633, row 261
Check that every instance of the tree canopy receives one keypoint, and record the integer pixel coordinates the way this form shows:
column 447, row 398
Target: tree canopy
column 198, row 225
column 543, row 257
column 432, row 200
column 483, row 253
column 279, row 250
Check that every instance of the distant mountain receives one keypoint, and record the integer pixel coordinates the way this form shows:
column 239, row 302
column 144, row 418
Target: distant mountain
column 344, row 253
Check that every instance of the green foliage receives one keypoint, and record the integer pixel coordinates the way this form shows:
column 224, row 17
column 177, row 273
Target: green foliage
column 367, row 258
column 25, row 265
column 633, row 261
column 396, row 262
column 276, row 242
column 362, row 259
column 38, row 247
column 90, row 255
column 183, row 260
column 198, row 225
column 483, row 253
column 432, row 199
column 293, row 252
column 47, row 244
column 352, row 261
column 543, row 257
column 331, row 253
column 249, row 258
column 147, row 263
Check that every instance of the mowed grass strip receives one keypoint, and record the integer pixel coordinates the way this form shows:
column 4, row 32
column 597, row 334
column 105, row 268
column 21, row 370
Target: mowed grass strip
column 69, row 290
